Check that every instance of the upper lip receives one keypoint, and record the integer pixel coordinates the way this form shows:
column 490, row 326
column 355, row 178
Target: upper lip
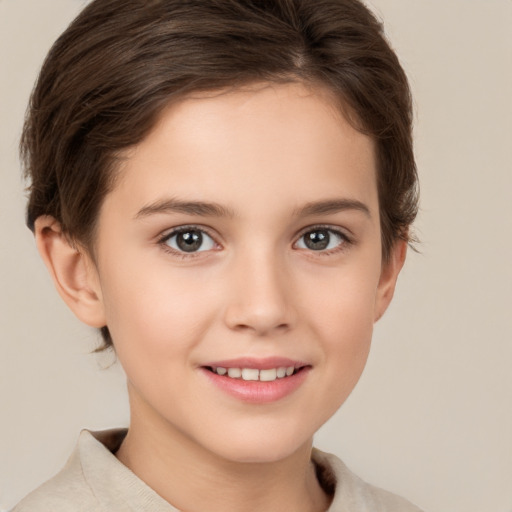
column 266, row 363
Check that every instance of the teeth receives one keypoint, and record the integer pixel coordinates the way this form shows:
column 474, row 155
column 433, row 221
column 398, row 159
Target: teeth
column 250, row 374
column 235, row 373
column 281, row 372
column 254, row 374
column 268, row 375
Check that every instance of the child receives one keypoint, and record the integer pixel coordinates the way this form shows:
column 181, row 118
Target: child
column 225, row 189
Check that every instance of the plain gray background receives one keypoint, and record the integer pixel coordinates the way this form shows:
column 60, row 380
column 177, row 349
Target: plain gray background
column 431, row 417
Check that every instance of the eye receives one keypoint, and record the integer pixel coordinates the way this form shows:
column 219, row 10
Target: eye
column 321, row 239
column 189, row 240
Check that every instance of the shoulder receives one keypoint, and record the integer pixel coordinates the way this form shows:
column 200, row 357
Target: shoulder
column 67, row 491
column 351, row 493
column 84, row 483
column 94, row 480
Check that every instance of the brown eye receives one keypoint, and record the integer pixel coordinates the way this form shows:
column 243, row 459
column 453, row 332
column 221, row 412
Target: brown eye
column 321, row 239
column 190, row 240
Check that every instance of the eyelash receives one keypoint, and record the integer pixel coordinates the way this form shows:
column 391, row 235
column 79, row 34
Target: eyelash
column 344, row 244
column 183, row 229
column 345, row 240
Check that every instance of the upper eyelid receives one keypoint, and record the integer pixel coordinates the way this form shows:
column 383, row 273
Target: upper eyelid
column 345, row 243
column 208, row 231
column 167, row 234
column 171, row 232
column 335, row 229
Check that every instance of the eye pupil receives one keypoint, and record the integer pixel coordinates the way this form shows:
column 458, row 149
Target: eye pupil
column 317, row 240
column 189, row 241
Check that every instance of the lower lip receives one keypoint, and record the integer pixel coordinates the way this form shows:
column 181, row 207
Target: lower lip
column 255, row 391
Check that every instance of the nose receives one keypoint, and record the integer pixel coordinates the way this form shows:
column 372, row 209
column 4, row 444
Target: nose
column 260, row 299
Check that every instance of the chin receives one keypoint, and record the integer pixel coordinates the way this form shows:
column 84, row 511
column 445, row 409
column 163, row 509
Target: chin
column 263, row 445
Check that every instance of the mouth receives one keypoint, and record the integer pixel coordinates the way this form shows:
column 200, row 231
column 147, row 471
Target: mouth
column 257, row 380
column 255, row 374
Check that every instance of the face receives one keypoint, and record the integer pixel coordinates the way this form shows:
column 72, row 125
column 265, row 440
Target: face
column 243, row 239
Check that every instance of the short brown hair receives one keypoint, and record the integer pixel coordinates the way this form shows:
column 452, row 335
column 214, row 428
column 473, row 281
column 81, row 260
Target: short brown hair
column 120, row 62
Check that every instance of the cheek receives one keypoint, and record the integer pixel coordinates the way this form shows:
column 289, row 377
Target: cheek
column 154, row 311
column 343, row 299
column 347, row 330
column 343, row 320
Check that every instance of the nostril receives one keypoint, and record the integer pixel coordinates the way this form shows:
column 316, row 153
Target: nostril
column 259, row 313
column 260, row 328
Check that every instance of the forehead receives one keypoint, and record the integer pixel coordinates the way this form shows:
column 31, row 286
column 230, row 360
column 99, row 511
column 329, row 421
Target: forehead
column 278, row 142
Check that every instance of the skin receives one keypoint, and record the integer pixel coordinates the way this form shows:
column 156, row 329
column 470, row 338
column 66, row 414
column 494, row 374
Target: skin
column 255, row 289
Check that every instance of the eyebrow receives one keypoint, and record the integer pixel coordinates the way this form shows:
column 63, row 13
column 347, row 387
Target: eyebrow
column 199, row 208
column 330, row 206
column 208, row 209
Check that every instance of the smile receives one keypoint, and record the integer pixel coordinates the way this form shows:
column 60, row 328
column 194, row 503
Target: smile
column 257, row 381
column 253, row 374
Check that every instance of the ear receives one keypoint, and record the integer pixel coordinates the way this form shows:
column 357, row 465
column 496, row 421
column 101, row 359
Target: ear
column 388, row 277
column 72, row 270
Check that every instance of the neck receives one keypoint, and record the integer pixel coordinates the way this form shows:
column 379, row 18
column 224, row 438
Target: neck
column 191, row 478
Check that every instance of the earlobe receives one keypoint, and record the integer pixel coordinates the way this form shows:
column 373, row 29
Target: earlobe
column 388, row 278
column 72, row 271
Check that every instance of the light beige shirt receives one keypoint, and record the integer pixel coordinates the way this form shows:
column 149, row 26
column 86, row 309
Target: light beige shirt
column 94, row 480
